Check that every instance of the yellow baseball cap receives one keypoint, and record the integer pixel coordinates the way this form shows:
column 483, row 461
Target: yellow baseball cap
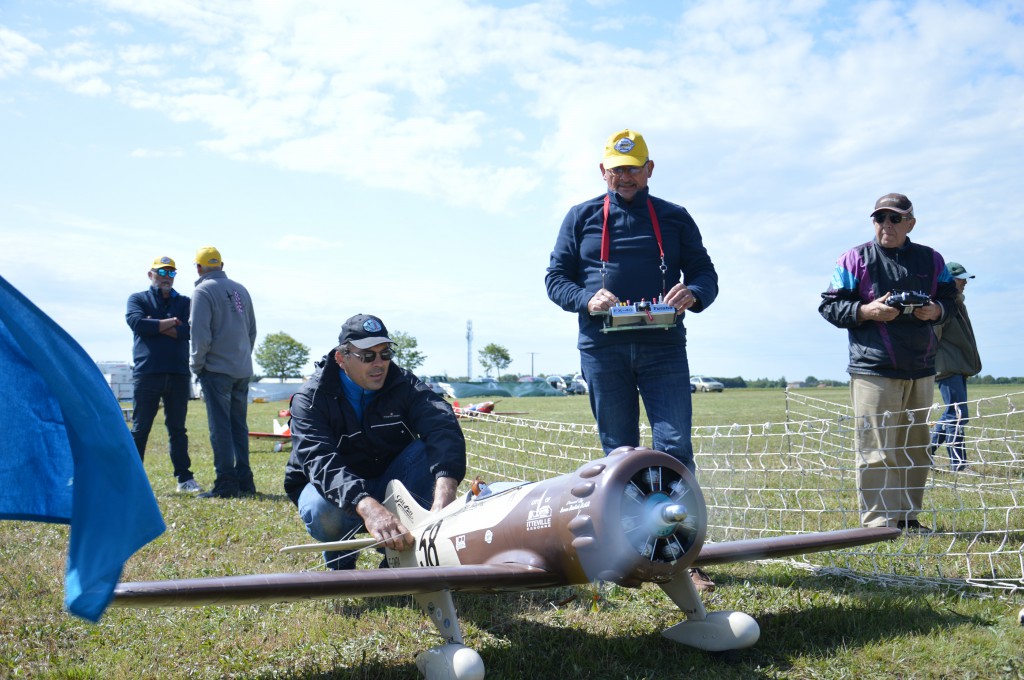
column 163, row 262
column 625, row 148
column 208, row 256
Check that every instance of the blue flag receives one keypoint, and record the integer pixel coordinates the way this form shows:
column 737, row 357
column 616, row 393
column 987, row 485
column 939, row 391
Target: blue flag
column 68, row 456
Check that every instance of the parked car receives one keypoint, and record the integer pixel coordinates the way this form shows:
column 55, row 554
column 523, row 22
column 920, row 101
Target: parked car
column 702, row 384
column 557, row 382
column 575, row 384
column 439, row 384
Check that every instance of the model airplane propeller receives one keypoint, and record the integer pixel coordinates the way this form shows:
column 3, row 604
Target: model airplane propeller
column 633, row 517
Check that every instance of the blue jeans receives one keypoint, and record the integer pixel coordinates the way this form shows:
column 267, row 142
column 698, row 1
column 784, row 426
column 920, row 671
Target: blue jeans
column 620, row 375
column 949, row 431
column 227, row 404
column 175, row 391
column 325, row 521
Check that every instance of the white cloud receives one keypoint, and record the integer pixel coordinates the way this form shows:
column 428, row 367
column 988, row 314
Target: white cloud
column 15, row 52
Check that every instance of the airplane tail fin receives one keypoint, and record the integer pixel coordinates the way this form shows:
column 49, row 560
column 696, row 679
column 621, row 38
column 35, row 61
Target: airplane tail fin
column 405, row 506
column 281, row 428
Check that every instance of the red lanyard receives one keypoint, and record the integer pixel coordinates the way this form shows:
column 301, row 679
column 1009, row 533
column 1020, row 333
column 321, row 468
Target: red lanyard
column 606, row 239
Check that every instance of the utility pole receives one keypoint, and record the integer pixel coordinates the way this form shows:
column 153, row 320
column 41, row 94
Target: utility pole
column 532, row 354
column 469, row 349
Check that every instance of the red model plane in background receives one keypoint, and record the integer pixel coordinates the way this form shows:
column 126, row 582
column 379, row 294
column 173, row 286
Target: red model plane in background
column 282, row 431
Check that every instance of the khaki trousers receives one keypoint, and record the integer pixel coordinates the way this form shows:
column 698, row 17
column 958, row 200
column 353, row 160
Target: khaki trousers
column 892, row 437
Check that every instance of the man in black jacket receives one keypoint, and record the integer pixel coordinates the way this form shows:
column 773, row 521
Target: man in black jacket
column 158, row 318
column 892, row 358
column 359, row 422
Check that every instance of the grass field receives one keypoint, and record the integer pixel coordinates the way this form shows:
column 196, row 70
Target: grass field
column 811, row 627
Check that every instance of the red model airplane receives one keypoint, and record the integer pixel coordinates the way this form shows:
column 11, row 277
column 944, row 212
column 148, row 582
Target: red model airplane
column 281, row 431
column 484, row 407
column 632, row 517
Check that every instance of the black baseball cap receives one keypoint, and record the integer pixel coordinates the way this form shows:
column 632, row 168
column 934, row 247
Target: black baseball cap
column 363, row 331
column 895, row 202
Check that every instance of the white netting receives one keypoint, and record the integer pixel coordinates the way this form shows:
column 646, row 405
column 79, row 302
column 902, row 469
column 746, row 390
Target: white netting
column 800, row 475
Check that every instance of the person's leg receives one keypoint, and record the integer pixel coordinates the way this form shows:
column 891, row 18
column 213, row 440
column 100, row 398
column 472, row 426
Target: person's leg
column 663, row 375
column 957, row 389
column 145, row 402
column 881, row 460
column 412, row 469
column 918, row 399
column 217, row 394
column 325, row 521
column 240, row 434
column 614, row 399
column 176, row 393
column 944, row 427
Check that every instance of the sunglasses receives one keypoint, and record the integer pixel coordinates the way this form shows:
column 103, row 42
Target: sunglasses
column 626, row 170
column 893, row 217
column 167, row 272
column 368, row 355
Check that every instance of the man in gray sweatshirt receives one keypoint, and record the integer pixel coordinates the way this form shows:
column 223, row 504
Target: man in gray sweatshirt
column 223, row 336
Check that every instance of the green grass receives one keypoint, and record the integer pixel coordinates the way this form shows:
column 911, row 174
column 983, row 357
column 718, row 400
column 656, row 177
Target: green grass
column 811, row 627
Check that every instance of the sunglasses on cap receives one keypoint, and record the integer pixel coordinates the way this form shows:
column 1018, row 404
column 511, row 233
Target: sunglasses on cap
column 167, row 272
column 895, row 218
column 368, row 355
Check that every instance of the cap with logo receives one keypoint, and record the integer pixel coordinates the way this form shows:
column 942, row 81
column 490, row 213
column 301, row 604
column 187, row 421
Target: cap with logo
column 897, row 203
column 163, row 262
column 625, row 148
column 957, row 271
column 208, row 256
column 363, row 331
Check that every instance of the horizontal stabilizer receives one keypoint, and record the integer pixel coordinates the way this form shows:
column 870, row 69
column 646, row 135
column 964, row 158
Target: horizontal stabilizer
column 786, row 546
column 351, row 544
column 319, row 585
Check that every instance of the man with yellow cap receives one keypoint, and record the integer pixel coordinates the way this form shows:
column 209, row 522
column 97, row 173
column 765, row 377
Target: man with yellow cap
column 628, row 246
column 158, row 318
column 223, row 338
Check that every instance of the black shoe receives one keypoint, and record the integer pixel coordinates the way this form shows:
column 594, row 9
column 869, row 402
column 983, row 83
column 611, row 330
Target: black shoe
column 247, row 490
column 220, row 493
column 912, row 526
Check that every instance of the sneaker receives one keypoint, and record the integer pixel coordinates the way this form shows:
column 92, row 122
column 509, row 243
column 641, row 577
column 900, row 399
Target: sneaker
column 189, row 486
column 967, row 470
column 701, row 580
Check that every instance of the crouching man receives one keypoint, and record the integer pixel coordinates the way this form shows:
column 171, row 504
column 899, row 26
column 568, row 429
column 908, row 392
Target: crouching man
column 359, row 422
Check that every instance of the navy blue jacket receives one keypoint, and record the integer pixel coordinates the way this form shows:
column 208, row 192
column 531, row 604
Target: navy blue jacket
column 904, row 347
column 633, row 273
column 337, row 452
column 154, row 352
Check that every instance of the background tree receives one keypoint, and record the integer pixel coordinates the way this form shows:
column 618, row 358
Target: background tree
column 282, row 356
column 494, row 357
column 406, row 354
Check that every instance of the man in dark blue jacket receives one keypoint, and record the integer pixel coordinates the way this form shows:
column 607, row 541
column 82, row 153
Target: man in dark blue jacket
column 159, row 319
column 628, row 246
column 359, row 422
column 892, row 358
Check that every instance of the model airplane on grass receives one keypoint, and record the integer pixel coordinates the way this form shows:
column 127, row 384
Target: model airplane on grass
column 633, row 517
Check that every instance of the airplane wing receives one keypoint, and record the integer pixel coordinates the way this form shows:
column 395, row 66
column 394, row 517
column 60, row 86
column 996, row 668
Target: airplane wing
column 314, row 585
column 269, row 435
column 786, row 546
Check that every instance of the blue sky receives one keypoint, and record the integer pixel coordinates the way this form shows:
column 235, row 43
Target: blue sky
column 415, row 159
